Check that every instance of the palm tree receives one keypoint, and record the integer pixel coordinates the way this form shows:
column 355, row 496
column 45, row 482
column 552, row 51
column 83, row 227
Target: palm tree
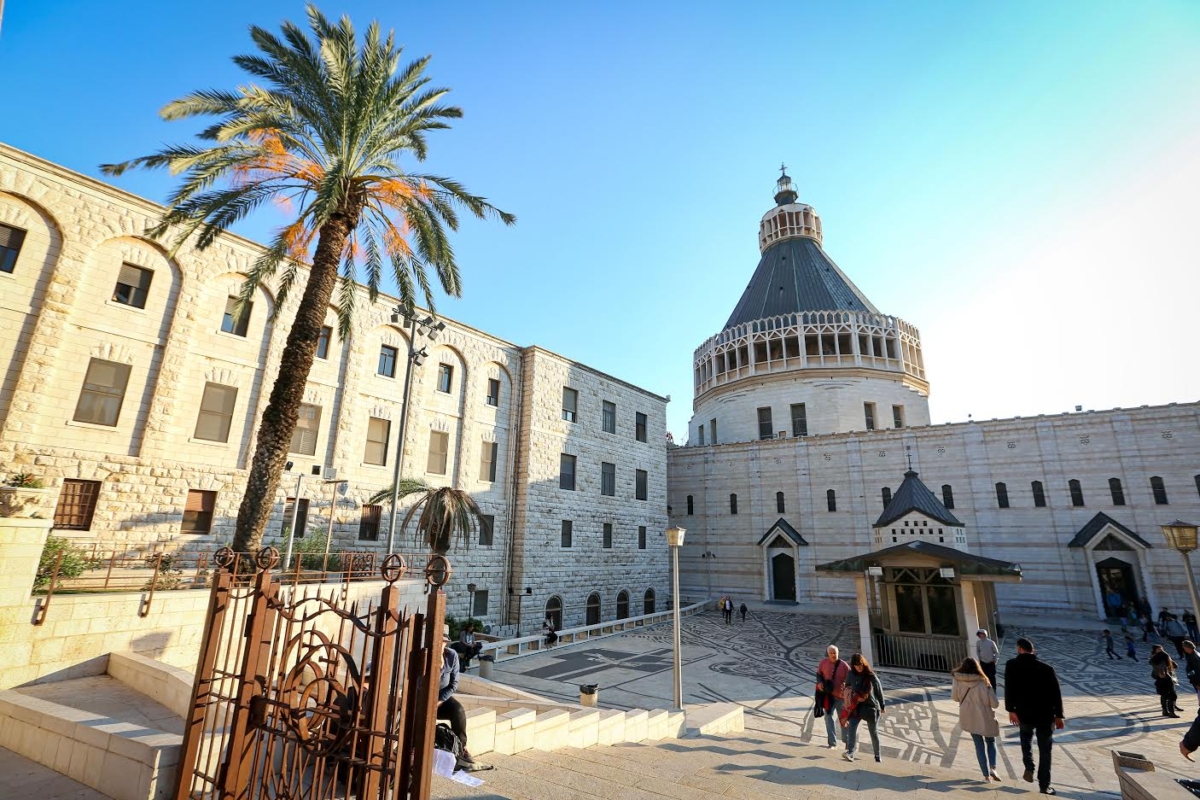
column 323, row 134
column 407, row 486
column 443, row 514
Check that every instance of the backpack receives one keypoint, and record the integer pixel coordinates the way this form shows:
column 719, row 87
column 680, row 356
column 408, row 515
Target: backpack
column 446, row 739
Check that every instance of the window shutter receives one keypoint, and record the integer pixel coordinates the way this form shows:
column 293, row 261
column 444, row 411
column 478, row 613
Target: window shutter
column 11, row 237
column 131, row 275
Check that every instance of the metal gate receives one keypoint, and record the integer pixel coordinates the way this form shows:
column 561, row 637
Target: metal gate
column 301, row 696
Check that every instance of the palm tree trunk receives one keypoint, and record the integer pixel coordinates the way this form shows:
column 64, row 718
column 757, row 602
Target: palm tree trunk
column 283, row 409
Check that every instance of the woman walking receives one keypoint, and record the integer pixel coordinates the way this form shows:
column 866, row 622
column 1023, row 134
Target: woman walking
column 1163, row 672
column 977, row 701
column 864, row 703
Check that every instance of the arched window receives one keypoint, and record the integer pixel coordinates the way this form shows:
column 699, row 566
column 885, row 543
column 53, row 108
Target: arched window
column 779, row 504
column 1002, row 495
column 1076, row 492
column 648, row 602
column 733, row 504
column 622, row 604
column 1198, row 484
column 947, row 496
column 886, row 494
column 690, row 505
column 593, row 609
column 1039, row 495
column 1118, row 491
column 554, row 612
column 831, row 500
column 1160, row 491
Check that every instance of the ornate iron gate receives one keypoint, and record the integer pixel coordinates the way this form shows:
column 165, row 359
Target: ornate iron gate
column 301, row 696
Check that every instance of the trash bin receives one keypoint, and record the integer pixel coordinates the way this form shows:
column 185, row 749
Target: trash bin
column 589, row 694
column 485, row 666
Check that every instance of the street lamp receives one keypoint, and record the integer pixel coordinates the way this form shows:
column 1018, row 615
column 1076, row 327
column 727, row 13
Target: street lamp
column 675, row 536
column 416, row 357
column 287, row 556
column 471, row 590
column 511, row 593
column 1182, row 537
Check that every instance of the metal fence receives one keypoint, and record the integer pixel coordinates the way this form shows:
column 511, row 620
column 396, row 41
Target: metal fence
column 918, row 651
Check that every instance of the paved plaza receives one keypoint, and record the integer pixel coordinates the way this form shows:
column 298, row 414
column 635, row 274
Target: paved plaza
column 766, row 665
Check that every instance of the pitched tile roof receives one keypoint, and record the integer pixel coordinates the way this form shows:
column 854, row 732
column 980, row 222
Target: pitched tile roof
column 913, row 495
column 781, row 526
column 965, row 563
column 1097, row 524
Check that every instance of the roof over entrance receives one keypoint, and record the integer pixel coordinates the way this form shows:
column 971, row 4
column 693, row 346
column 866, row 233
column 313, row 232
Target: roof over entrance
column 913, row 495
column 965, row 564
column 781, row 526
column 1097, row 524
column 796, row 275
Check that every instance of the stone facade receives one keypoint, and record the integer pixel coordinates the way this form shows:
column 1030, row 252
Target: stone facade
column 61, row 309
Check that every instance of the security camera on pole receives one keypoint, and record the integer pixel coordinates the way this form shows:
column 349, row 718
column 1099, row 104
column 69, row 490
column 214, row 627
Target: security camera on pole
column 675, row 536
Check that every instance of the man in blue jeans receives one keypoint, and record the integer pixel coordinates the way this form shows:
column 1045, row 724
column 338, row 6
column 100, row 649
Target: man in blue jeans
column 1033, row 700
column 831, row 683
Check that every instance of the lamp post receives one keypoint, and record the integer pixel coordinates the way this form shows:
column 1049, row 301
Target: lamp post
column 415, row 358
column 675, row 536
column 1182, row 537
column 519, row 595
column 287, row 556
column 471, row 591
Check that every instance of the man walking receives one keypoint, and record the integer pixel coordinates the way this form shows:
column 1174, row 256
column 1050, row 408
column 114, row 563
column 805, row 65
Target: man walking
column 1110, row 646
column 831, row 684
column 727, row 610
column 1033, row 700
column 986, row 652
column 743, row 609
column 1191, row 666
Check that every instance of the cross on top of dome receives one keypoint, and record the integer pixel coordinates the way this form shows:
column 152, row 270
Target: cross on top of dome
column 784, row 192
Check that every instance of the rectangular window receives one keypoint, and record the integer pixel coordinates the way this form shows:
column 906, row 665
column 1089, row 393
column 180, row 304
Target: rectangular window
column 11, row 240
column 869, row 414
column 690, row 505
column 387, row 361
column 368, row 524
column 76, row 505
column 1001, row 495
column 566, row 472
column 1039, row 494
column 567, row 530
column 701, row 433
column 439, row 448
column 308, row 425
column 765, row 429
column 487, row 462
column 378, row 432
column 608, row 418
column 1159, row 490
column 799, row 420
column 216, row 413
column 234, row 323
column 712, row 429
column 103, row 393
column 133, row 286
column 301, row 518
column 640, row 486
column 323, row 341
column 445, row 378
column 639, row 427
column 641, row 537
column 481, row 603
column 897, row 416
column 198, row 511
column 487, row 527
column 608, row 479
column 607, row 536
column 570, row 404
column 493, row 393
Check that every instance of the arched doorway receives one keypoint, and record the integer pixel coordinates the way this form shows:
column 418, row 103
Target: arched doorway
column 622, row 604
column 783, row 577
column 554, row 612
column 648, row 602
column 1118, row 586
column 593, row 609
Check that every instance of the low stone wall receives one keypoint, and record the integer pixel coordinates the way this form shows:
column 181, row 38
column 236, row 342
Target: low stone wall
column 162, row 683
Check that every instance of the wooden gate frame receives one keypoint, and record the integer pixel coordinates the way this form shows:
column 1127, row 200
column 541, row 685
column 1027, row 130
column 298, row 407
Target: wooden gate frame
column 375, row 735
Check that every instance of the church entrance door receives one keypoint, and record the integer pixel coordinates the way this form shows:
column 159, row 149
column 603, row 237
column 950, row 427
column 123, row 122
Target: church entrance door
column 783, row 577
column 1116, row 581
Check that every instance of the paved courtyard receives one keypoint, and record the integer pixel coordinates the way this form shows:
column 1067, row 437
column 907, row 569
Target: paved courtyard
column 766, row 665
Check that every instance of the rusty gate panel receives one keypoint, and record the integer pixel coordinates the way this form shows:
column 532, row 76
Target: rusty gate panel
column 301, row 696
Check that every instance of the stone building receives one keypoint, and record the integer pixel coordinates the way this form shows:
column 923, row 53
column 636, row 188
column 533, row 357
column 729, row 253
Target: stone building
column 130, row 383
column 811, row 405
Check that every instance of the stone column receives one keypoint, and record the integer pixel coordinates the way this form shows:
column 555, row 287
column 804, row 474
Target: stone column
column 864, row 619
column 970, row 614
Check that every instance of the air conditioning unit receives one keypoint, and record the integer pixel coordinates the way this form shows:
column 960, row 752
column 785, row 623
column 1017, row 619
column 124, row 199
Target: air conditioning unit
column 330, row 474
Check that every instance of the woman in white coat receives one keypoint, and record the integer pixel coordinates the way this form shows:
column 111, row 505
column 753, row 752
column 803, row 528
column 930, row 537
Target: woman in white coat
column 977, row 704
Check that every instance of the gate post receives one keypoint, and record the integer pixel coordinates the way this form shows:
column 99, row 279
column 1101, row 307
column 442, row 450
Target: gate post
column 427, row 694
column 383, row 663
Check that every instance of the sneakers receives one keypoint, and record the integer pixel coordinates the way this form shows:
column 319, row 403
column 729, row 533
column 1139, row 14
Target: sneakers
column 994, row 776
column 1049, row 790
column 848, row 756
column 878, row 758
column 833, row 746
column 1028, row 776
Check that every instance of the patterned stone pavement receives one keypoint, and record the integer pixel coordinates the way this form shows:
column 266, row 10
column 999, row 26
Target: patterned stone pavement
column 766, row 665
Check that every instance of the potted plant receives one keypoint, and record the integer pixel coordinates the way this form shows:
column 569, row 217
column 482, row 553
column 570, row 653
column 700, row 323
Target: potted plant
column 25, row 496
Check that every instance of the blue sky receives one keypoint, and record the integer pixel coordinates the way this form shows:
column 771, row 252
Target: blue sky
column 1018, row 180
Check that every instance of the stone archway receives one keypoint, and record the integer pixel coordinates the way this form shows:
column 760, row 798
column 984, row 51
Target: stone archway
column 783, row 576
column 1115, row 556
column 780, row 562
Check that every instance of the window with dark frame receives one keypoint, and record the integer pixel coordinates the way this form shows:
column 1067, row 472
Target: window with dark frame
column 76, row 505
column 766, row 429
column 639, row 427
column 11, row 240
column 308, row 427
column 1076, row 492
column 1159, row 490
column 232, row 322
column 133, row 286
column 480, row 608
column 301, row 519
column 648, row 602
column 779, row 503
column 439, row 449
column 947, row 496
column 641, row 485
column 608, row 417
column 566, row 472
column 799, row 420
column 198, row 511
column 488, row 457
column 323, row 341
column 607, row 536
column 885, row 495
column 379, row 431
column 733, row 504
column 869, row 415
column 487, row 528
column 216, row 413
column 897, row 416
column 608, row 479
column 445, row 378
column 1039, row 494
column 689, row 505
column 1117, row 491
column 103, row 393
column 567, row 532
column 493, row 392
column 831, row 500
column 387, row 361
column 622, row 604
column 570, row 403
column 368, row 523
column 641, row 537
column 1197, row 479
column 1002, row 495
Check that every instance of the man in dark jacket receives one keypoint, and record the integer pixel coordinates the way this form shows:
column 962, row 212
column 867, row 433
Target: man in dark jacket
column 1033, row 700
column 448, row 707
column 1191, row 739
column 1191, row 665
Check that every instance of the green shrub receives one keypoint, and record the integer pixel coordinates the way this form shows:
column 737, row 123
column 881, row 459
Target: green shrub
column 26, row 480
column 456, row 626
column 311, row 551
column 73, row 562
